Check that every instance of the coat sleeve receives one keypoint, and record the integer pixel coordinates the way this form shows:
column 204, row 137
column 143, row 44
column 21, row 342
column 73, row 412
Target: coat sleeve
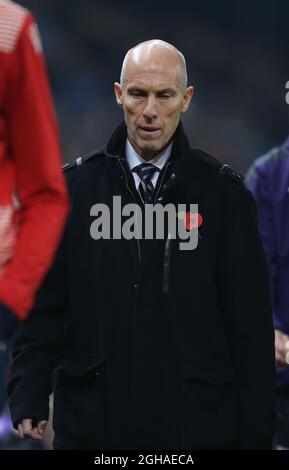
column 36, row 348
column 246, row 306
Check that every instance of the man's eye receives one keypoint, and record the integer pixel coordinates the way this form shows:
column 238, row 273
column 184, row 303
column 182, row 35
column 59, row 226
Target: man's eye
column 137, row 95
column 166, row 96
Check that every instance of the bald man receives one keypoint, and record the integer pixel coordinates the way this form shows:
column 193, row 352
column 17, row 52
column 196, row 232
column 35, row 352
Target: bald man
column 148, row 325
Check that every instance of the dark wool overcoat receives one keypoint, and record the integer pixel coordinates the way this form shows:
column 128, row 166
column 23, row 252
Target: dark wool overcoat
column 148, row 346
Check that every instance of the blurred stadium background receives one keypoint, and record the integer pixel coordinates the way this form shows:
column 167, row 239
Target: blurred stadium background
column 237, row 54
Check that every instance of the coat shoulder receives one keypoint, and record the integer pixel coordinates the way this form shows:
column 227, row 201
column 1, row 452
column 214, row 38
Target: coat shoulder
column 221, row 169
column 81, row 161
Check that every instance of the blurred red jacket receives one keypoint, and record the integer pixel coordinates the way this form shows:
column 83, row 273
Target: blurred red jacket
column 33, row 197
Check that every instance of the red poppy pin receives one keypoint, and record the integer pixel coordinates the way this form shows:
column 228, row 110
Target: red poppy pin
column 191, row 219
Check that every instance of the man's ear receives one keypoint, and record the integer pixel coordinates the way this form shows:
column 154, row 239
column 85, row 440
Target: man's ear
column 118, row 93
column 187, row 98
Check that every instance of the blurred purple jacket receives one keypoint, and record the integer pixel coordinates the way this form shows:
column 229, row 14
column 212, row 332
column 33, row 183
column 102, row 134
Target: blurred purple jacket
column 268, row 180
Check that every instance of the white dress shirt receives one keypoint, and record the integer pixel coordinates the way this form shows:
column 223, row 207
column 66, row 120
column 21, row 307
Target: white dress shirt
column 134, row 159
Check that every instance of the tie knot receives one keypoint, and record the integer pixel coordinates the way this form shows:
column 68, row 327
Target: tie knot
column 145, row 171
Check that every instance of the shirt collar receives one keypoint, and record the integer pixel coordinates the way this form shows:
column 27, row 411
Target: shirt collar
column 134, row 159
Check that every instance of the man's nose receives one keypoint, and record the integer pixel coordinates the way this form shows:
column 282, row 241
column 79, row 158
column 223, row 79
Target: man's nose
column 150, row 110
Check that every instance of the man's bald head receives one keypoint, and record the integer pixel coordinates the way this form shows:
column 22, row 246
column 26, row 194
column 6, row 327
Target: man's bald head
column 155, row 54
column 153, row 94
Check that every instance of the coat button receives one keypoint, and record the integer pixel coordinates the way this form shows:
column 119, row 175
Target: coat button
column 173, row 176
column 135, row 285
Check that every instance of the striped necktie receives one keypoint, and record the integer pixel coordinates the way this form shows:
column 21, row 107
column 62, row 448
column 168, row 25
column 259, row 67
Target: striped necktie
column 145, row 172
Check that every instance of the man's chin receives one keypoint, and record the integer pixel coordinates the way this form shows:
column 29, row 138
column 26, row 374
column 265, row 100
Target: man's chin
column 154, row 149
column 152, row 144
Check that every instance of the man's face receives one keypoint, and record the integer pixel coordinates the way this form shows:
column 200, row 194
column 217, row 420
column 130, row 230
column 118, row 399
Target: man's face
column 152, row 98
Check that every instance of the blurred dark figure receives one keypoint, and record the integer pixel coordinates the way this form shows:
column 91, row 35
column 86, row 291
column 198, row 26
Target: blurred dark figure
column 268, row 179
